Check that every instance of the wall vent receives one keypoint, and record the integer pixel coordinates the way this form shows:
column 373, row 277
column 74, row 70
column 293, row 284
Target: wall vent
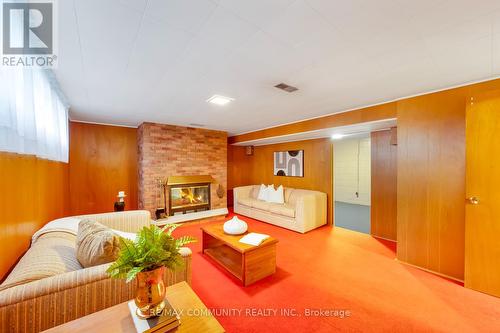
column 286, row 87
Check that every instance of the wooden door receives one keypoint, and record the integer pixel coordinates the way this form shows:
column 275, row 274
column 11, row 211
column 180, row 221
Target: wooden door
column 482, row 227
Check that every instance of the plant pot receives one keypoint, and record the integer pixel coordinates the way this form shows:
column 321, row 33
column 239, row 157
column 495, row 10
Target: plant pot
column 150, row 294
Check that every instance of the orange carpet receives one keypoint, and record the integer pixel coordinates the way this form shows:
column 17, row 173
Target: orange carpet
column 332, row 279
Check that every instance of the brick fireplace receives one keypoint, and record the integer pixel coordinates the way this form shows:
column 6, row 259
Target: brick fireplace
column 167, row 151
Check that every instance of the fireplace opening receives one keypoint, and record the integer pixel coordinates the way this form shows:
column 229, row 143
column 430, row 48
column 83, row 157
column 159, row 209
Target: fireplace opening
column 186, row 196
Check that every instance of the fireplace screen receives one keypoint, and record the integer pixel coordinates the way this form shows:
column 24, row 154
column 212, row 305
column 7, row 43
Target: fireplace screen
column 189, row 197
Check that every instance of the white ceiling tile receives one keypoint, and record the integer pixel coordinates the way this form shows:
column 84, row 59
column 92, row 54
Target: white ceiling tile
column 139, row 5
column 258, row 12
column 129, row 61
column 451, row 13
column 173, row 82
column 412, row 54
column 222, row 34
column 298, row 24
column 465, row 62
column 495, row 17
column 106, row 33
column 369, row 27
column 263, row 59
column 189, row 15
column 70, row 59
column 496, row 44
column 107, row 36
column 336, row 11
column 223, row 31
column 496, row 55
column 158, row 49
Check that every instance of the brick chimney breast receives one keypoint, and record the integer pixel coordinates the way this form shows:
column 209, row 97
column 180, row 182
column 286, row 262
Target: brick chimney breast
column 168, row 150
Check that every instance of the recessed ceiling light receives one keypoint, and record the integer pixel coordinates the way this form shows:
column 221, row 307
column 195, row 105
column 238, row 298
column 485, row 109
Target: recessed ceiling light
column 220, row 100
column 337, row 136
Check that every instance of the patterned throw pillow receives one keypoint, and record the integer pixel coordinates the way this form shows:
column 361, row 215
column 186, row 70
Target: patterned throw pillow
column 96, row 244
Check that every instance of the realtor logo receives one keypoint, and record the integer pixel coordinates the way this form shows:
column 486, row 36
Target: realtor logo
column 28, row 34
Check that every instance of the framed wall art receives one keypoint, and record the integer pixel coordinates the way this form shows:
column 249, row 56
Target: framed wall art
column 289, row 163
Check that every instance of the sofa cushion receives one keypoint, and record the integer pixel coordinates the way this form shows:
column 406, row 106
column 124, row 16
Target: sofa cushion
column 246, row 201
column 53, row 253
column 296, row 195
column 285, row 210
column 262, row 205
column 254, row 192
column 287, row 192
column 96, row 244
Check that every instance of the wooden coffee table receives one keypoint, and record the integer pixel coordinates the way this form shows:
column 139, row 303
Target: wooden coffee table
column 195, row 317
column 246, row 262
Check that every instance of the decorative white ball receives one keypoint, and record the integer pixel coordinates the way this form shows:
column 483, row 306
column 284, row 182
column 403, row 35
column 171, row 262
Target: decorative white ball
column 235, row 226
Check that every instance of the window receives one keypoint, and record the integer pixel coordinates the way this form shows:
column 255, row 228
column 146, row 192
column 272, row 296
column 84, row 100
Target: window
column 33, row 114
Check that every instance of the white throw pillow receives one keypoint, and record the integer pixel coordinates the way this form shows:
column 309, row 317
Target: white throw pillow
column 263, row 193
column 276, row 196
column 270, row 191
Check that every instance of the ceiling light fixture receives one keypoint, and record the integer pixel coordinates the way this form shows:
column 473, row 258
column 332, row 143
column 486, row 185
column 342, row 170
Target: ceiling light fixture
column 337, row 136
column 220, row 100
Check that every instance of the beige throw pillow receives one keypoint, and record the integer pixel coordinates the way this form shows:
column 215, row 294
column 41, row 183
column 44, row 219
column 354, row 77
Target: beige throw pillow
column 96, row 244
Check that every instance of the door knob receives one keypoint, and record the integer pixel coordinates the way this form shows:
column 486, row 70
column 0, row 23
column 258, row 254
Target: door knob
column 473, row 200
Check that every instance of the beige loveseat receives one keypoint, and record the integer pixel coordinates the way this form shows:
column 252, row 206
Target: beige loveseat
column 75, row 292
column 302, row 211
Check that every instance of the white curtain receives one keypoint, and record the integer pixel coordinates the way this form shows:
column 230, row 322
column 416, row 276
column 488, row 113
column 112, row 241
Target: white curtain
column 33, row 114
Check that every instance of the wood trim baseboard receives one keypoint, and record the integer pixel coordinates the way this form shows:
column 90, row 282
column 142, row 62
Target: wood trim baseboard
column 430, row 271
column 386, row 239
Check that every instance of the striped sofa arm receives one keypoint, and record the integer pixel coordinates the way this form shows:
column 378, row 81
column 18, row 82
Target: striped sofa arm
column 45, row 303
column 128, row 221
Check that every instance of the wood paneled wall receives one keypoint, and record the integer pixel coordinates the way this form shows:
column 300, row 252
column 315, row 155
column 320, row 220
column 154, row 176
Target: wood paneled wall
column 103, row 161
column 258, row 168
column 33, row 192
column 383, row 185
column 431, row 182
column 431, row 178
column 236, row 159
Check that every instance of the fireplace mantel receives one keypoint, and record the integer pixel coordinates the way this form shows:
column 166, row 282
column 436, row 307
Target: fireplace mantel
column 186, row 180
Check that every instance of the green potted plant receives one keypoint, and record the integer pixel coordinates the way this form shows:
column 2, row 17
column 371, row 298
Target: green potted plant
column 145, row 260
